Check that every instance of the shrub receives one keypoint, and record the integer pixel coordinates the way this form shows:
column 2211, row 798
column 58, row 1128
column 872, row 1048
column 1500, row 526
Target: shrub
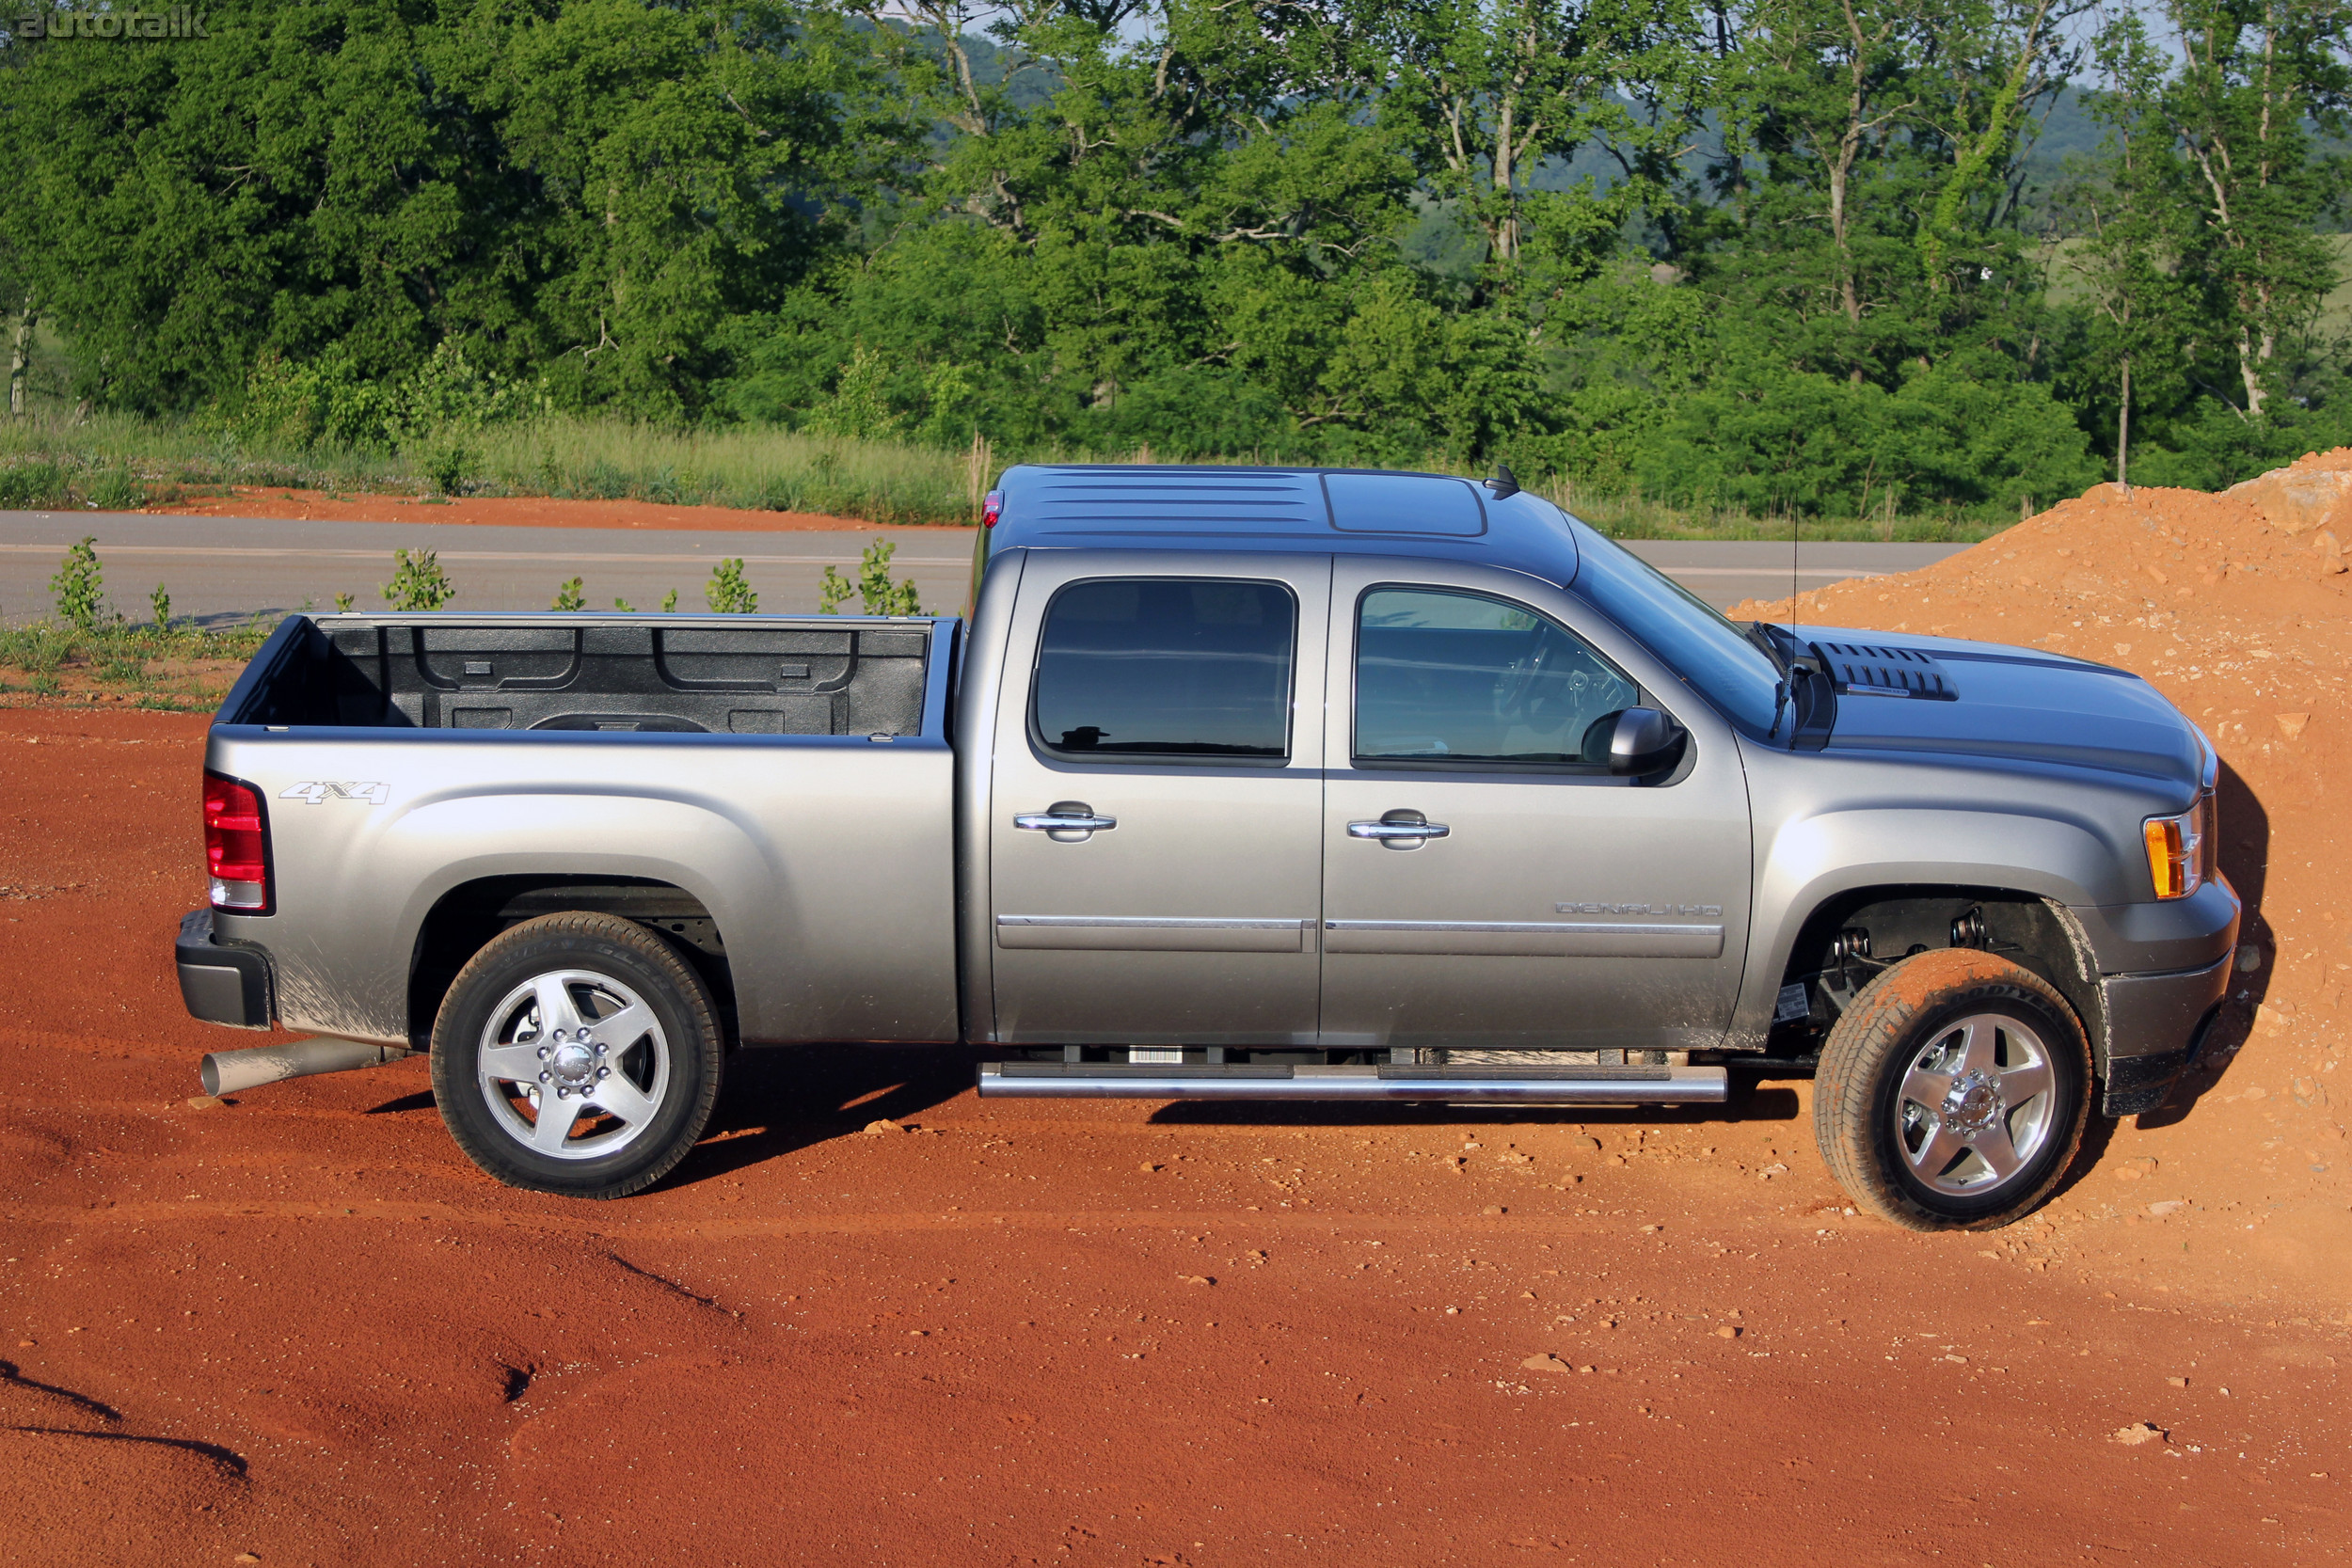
column 79, row 586
column 860, row 404
column 418, row 582
column 442, row 462
column 33, row 486
column 117, row 488
column 729, row 592
column 881, row 595
column 568, row 596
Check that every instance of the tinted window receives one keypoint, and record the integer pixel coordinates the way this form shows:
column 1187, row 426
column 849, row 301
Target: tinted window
column 1458, row 677
column 1169, row 667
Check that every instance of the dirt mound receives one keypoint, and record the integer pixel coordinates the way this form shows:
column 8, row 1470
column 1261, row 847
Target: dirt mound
column 2239, row 608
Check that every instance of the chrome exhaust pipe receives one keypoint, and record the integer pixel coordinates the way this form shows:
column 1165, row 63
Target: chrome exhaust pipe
column 1461, row 1086
column 227, row 1071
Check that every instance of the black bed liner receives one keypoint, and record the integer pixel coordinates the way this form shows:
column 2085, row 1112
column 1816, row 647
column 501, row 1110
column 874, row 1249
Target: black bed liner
column 636, row 674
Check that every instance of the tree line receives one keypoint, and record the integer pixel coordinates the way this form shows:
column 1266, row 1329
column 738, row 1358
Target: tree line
column 1805, row 255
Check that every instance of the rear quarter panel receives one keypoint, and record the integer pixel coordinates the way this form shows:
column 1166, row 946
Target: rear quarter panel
column 828, row 862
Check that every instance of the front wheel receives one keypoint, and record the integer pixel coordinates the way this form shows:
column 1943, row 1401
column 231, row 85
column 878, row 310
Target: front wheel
column 1952, row 1095
column 576, row 1054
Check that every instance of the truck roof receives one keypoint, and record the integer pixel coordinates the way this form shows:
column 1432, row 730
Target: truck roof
column 1355, row 511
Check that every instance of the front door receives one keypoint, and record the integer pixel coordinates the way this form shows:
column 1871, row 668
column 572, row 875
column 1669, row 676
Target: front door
column 1156, row 802
column 1562, row 907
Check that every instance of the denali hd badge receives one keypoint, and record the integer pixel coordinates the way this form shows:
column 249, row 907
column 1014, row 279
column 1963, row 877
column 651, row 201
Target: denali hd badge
column 337, row 789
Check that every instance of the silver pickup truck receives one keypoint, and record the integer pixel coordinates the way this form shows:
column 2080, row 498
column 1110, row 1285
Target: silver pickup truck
column 1231, row 784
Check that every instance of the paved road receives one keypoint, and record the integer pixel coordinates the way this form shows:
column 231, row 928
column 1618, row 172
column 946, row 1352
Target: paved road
column 229, row 567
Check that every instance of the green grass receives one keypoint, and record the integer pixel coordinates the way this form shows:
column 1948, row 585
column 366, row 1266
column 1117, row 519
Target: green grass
column 113, row 461
column 176, row 667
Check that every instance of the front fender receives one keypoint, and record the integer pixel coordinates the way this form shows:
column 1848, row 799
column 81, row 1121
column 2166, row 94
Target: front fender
column 1816, row 858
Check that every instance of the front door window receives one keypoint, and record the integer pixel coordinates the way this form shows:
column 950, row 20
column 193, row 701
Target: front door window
column 1463, row 679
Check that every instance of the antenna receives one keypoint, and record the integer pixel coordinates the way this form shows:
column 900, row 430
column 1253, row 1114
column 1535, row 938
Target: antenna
column 1504, row 485
column 1794, row 527
column 1796, row 668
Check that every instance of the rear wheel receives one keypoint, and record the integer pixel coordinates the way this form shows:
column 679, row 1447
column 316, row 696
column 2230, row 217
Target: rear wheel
column 1952, row 1094
column 579, row 1054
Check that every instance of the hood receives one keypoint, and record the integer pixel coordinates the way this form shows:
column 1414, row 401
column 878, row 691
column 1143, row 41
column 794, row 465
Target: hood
column 1983, row 699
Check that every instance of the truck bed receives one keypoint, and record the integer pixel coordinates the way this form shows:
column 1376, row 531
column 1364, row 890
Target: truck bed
column 616, row 673
column 776, row 793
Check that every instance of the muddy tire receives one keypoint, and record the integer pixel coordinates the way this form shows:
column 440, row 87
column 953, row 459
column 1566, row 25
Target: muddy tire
column 1953, row 1093
column 576, row 1054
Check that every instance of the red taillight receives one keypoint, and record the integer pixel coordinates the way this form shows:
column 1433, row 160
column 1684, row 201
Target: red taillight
column 991, row 508
column 237, row 845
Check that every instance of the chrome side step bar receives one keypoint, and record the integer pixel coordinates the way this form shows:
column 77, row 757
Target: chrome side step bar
column 1459, row 1085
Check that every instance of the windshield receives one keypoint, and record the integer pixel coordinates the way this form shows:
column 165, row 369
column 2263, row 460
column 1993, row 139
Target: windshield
column 1712, row 654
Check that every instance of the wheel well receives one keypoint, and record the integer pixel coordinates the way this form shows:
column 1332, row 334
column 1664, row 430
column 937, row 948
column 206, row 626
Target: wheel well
column 2029, row 930
column 469, row 917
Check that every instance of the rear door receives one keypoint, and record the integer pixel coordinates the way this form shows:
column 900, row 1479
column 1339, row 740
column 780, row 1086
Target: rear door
column 1562, row 908
column 1156, row 796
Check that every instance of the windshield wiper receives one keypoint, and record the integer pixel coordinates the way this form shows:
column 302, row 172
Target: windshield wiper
column 1806, row 689
column 1760, row 633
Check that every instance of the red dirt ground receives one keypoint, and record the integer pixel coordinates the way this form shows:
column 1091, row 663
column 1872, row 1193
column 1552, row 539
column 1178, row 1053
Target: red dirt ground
column 299, row 1326
column 273, row 501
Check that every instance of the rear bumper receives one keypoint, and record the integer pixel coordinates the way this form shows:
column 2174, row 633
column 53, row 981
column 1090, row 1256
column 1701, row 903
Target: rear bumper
column 2156, row 1024
column 222, row 985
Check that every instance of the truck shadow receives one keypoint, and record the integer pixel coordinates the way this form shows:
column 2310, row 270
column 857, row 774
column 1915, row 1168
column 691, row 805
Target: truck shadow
column 2246, row 861
column 781, row 1099
column 778, row 1100
column 1749, row 1101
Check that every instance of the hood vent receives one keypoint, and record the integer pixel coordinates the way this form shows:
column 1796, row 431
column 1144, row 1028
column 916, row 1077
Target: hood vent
column 1863, row 670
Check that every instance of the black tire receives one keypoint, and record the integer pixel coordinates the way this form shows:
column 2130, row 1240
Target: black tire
column 1949, row 1067
column 660, row 1080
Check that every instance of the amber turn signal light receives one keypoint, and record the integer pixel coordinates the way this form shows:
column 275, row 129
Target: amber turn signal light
column 2175, row 853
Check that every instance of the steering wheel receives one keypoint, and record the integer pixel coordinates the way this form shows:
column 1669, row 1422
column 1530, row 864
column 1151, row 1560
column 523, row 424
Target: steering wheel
column 1530, row 690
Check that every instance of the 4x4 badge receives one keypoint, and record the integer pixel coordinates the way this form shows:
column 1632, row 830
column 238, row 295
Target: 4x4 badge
column 338, row 789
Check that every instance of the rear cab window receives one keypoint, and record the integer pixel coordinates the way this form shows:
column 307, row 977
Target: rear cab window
column 1132, row 669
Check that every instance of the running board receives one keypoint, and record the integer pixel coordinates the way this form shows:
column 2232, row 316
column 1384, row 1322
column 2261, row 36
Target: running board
column 1459, row 1085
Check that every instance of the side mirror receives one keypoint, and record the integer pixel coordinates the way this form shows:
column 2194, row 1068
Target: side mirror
column 1644, row 741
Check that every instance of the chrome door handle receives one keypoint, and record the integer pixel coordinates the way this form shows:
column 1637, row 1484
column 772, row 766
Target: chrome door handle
column 1386, row 830
column 1065, row 822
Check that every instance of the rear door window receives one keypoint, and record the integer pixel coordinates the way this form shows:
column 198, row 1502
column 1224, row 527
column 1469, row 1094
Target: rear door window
column 1133, row 668
column 1446, row 678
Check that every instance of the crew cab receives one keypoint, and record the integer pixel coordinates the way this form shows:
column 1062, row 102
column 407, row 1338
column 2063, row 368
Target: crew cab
column 1228, row 784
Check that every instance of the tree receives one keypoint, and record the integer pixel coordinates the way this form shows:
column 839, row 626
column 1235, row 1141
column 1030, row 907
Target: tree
column 2253, row 80
column 1484, row 91
column 1868, row 165
column 2131, row 243
column 583, row 187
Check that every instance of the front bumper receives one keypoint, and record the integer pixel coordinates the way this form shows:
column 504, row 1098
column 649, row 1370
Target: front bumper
column 2156, row 1024
column 222, row 985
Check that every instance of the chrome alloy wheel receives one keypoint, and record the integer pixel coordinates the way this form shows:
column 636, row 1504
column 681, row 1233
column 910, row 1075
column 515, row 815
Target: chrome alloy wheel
column 1976, row 1105
column 573, row 1064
